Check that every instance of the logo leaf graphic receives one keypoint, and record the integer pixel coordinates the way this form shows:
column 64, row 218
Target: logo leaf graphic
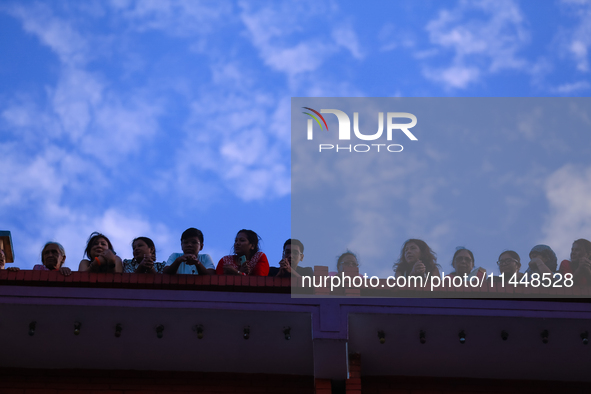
column 317, row 113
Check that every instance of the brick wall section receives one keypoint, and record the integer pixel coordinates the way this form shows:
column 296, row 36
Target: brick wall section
column 353, row 384
column 278, row 285
column 424, row 385
column 27, row 381
column 322, row 386
column 31, row 381
column 257, row 284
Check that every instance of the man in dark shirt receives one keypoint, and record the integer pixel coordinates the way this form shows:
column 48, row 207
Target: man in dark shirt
column 293, row 254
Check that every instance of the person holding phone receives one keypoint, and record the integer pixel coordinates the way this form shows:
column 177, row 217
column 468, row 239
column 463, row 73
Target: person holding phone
column 247, row 258
column 190, row 262
column 579, row 264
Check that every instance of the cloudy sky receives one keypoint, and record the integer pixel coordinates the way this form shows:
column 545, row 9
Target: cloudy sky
column 145, row 118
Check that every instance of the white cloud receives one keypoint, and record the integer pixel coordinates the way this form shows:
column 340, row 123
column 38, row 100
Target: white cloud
column 73, row 100
column 120, row 129
column 278, row 31
column 57, row 34
column 569, row 88
column 182, row 17
column 577, row 39
column 579, row 51
column 26, row 178
column 279, row 125
column 241, row 136
column 99, row 120
column 483, row 37
column 302, row 57
column 530, row 123
column 567, row 190
column 391, row 38
column 346, row 37
column 456, row 77
column 58, row 169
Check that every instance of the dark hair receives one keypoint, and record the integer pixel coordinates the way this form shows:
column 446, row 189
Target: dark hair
column 148, row 242
column 342, row 257
column 293, row 241
column 192, row 232
column 428, row 258
column 253, row 238
column 585, row 244
column 514, row 255
column 548, row 254
column 93, row 237
column 460, row 249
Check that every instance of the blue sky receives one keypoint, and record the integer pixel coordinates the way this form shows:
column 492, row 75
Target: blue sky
column 145, row 118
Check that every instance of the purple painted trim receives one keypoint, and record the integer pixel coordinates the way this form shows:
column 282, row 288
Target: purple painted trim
column 329, row 315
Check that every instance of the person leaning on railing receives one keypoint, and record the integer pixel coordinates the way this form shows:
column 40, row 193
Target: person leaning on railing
column 463, row 264
column 101, row 255
column 293, row 254
column 53, row 257
column 509, row 265
column 190, row 262
column 247, row 258
column 347, row 259
column 144, row 258
column 416, row 259
column 542, row 261
column 579, row 264
column 3, row 262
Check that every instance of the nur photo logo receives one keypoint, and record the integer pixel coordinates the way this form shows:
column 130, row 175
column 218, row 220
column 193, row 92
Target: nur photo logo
column 344, row 130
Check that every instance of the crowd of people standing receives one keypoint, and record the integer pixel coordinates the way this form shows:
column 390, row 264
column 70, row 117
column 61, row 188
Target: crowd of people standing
column 416, row 259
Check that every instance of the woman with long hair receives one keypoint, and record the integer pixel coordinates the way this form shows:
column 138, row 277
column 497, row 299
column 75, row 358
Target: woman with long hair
column 416, row 259
column 247, row 258
column 101, row 255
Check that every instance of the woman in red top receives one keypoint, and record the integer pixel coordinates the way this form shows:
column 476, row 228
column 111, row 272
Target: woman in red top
column 247, row 258
column 579, row 264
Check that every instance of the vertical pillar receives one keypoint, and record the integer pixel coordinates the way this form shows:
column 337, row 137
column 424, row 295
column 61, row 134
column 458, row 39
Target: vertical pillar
column 319, row 273
column 353, row 384
column 352, row 291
